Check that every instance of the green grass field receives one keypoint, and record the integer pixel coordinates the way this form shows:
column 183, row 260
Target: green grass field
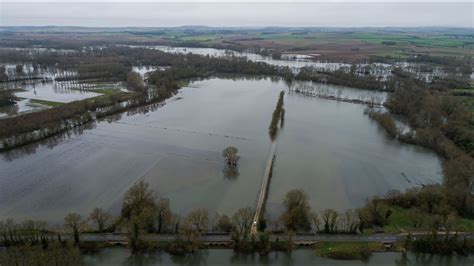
column 44, row 102
column 105, row 91
column 347, row 250
column 400, row 222
column 437, row 44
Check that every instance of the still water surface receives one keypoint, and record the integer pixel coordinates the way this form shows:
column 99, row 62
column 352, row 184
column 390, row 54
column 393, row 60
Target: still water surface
column 330, row 149
column 122, row 256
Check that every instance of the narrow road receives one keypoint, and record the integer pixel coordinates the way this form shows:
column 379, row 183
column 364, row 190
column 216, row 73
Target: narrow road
column 107, row 237
column 263, row 189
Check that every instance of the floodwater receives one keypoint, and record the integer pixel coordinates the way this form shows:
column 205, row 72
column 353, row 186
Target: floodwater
column 328, row 148
column 143, row 70
column 341, row 158
column 45, row 84
column 53, row 91
column 294, row 63
column 122, row 256
column 297, row 61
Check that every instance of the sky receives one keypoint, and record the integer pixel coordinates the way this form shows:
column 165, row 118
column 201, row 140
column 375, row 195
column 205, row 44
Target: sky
column 349, row 13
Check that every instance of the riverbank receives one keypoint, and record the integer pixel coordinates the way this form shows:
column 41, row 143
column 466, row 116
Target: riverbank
column 95, row 252
column 303, row 256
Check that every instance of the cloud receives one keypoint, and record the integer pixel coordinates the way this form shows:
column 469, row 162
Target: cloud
column 322, row 14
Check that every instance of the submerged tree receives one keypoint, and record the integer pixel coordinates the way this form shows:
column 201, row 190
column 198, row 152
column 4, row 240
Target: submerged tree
column 230, row 155
column 231, row 161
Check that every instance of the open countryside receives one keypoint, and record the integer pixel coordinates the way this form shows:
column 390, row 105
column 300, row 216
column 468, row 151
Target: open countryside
column 236, row 145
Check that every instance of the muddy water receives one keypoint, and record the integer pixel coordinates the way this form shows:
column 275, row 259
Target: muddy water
column 330, row 149
column 340, row 158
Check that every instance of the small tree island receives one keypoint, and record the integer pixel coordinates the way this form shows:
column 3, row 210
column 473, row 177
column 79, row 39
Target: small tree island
column 231, row 161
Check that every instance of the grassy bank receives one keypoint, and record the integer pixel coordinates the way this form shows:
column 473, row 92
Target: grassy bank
column 45, row 102
column 403, row 221
column 348, row 250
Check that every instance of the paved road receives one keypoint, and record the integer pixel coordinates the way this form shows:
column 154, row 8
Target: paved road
column 263, row 189
column 226, row 238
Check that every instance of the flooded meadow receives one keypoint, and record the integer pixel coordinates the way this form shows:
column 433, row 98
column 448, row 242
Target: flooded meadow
column 330, row 149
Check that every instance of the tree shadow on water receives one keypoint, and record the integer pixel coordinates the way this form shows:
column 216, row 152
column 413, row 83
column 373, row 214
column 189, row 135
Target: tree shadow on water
column 231, row 172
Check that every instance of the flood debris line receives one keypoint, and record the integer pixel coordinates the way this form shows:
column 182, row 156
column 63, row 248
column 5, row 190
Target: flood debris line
column 277, row 117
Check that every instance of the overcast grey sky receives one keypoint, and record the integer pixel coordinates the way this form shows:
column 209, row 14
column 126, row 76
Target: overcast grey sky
column 335, row 14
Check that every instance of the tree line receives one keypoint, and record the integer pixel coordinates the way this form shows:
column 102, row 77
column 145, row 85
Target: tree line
column 277, row 117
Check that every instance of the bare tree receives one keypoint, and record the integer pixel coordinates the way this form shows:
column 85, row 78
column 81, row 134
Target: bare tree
column 75, row 224
column 350, row 221
column 224, row 223
column 138, row 198
column 198, row 220
column 329, row 217
column 242, row 220
column 316, row 221
column 100, row 217
column 163, row 213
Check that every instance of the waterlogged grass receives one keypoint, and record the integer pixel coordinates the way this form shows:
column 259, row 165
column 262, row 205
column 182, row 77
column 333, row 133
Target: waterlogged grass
column 45, row 102
column 347, row 250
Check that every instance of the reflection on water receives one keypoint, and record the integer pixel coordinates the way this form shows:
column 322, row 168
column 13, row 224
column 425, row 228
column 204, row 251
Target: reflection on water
column 329, row 148
column 122, row 256
column 54, row 91
column 49, row 84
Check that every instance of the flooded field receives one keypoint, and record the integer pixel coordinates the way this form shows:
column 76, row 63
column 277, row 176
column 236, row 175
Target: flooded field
column 54, row 92
column 297, row 61
column 341, row 158
column 328, row 148
column 39, row 88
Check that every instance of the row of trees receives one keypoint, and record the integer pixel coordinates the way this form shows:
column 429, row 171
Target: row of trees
column 443, row 124
column 277, row 117
column 142, row 212
column 298, row 216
